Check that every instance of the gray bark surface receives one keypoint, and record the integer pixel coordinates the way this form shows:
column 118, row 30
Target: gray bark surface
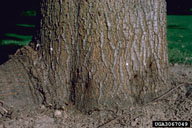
column 123, row 53
column 95, row 54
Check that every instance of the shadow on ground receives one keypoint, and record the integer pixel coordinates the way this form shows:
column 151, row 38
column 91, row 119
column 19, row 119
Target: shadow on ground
column 7, row 50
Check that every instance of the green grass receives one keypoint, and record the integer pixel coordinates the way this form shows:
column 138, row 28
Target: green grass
column 15, row 42
column 179, row 38
column 28, row 13
column 26, row 25
column 22, row 39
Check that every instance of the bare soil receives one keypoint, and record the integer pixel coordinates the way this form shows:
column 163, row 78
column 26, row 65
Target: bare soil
column 175, row 105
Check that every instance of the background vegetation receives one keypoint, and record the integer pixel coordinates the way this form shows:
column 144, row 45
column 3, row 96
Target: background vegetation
column 179, row 38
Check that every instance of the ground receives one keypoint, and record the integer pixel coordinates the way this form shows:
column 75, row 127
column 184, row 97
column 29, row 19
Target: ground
column 175, row 105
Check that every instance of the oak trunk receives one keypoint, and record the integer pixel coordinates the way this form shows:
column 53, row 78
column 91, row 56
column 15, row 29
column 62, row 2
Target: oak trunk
column 96, row 54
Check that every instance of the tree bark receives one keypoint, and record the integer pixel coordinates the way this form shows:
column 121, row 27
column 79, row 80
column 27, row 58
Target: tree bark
column 56, row 48
column 123, row 53
column 98, row 54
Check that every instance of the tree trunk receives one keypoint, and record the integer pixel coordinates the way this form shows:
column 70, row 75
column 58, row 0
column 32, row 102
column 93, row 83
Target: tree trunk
column 98, row 54
column 123, row 53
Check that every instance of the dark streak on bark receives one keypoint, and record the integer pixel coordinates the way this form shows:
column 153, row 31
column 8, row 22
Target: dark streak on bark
column 75, row 67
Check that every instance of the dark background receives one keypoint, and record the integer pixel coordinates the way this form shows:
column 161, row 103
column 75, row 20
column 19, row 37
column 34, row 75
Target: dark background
column 179, row 7
column 10, row 15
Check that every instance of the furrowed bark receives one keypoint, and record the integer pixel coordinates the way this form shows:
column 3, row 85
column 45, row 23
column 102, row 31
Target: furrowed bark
column 123, row 58
column 57, row 51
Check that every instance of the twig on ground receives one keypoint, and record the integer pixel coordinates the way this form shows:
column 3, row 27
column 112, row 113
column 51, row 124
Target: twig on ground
column 2, row 103
column 154, row 100
column 4, row 109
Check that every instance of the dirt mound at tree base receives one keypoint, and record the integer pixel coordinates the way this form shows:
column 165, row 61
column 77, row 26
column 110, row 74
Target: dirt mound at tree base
column 175, row 106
